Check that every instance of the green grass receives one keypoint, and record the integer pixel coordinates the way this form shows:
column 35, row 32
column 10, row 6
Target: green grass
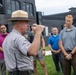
column 46, row 48
column 50, row 66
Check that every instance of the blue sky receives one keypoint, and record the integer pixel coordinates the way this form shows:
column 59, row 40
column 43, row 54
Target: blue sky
column 54, row 6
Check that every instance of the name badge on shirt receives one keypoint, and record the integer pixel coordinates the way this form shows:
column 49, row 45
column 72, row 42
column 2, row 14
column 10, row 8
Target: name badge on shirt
column 26, row 36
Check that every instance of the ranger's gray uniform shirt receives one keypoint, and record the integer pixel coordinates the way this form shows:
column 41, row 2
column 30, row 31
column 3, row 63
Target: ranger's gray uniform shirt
column 68, row 38
column 16, row 43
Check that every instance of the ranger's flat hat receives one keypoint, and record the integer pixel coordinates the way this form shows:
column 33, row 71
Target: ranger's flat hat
column 19, row 15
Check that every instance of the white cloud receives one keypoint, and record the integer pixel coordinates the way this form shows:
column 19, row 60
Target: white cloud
column 54, row 6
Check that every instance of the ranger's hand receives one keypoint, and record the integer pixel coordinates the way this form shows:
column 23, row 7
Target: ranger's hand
column 38, row 29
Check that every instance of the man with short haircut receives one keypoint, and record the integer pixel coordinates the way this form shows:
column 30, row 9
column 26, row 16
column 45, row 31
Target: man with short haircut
column 40, row 54
column 67, row 45
column 17, row 49
column 54, row 47
column 3, row 35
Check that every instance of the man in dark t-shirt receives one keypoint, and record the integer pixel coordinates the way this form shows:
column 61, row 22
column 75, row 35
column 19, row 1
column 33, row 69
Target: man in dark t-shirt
column 40, row 54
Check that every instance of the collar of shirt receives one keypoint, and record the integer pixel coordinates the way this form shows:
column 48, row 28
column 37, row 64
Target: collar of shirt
column 55, row 35
column 70, row 29
column 14, row 30
column 3, row 35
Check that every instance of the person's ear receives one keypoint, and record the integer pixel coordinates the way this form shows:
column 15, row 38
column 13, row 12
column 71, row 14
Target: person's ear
column 19, row 23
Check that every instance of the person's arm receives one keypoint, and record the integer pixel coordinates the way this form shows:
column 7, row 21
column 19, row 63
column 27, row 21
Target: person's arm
column 43, row 46
column 62, row 48
column 28, row 48
column 35, row 45
column 49, row 45
column 52, row 49
column 43, row 43
column 61, row 44
column 33, row 49
column 73, row 51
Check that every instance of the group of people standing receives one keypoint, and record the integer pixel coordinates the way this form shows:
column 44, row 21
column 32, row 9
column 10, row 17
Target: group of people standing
column 63, row 47
column 21, row 45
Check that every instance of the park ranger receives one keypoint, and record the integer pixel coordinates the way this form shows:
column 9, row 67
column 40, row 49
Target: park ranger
column 17, row 49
